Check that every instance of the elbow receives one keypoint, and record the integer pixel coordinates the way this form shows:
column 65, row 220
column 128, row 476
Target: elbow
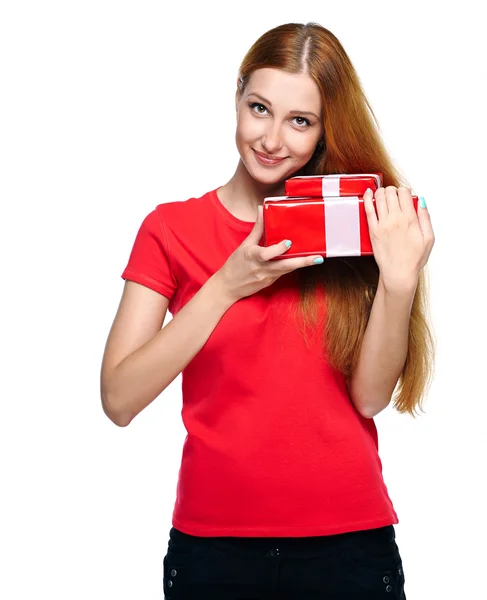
column 369, row 414
column 365, row 412
column 113, row 406
column 359, row 405
column 119, row 418
column 120, row 421
column 371, row 411
column 364, row 409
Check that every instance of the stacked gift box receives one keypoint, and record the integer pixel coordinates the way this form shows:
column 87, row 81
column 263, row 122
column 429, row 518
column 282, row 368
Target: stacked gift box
column 322, row 214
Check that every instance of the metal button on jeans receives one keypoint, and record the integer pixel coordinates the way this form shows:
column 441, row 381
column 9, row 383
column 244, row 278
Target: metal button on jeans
column 169, row 583
column 385, row 579
column 173, row 572
column 274, row 552
column 389, row 588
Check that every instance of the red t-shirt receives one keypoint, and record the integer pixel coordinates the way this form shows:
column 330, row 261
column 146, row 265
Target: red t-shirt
column 274, row 445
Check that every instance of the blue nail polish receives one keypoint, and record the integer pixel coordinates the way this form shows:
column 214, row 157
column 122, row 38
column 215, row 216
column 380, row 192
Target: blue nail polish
column 288, row 243
column 318, row 260
column 422, row 202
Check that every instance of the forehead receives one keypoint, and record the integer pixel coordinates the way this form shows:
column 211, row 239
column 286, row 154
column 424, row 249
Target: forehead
column 298, row 90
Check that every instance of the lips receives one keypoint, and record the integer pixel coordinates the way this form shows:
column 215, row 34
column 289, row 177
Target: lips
column 268, row 161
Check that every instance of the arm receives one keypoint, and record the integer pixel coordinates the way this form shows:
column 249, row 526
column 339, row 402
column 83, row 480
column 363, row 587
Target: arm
column 383, row 352
column 145, row 373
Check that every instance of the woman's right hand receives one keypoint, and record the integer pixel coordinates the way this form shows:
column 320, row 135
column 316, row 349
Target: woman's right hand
column 249, row 269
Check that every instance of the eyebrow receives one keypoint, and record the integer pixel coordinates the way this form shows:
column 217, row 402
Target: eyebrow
column 299, row 112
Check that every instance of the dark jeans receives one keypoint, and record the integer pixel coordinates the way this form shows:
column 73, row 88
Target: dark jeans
column 358, row 565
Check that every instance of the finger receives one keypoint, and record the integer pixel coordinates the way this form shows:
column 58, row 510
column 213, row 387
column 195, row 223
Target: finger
column 392, row 200
column 406, row 203
column 268, row 252
column 381, row 204
column 425, row 222
column 286, row 265
column 255, row 235
column 370, row 210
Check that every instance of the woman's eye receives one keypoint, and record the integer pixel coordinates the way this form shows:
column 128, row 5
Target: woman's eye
column 302, row 120
column 254, row 104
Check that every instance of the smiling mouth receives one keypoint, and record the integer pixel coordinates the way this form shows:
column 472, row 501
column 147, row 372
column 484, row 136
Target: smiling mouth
column 268, row 161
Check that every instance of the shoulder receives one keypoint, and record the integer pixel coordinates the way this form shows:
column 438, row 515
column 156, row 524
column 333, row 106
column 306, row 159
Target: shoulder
column 180, row 213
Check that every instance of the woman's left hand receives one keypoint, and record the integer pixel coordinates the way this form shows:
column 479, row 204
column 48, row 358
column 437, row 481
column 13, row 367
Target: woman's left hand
column 402, row 239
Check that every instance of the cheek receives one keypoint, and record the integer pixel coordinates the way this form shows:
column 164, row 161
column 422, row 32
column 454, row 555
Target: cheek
column 248, row 128
column 303, row 145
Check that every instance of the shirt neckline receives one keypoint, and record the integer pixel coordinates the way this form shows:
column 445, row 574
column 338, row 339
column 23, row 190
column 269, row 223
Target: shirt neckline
column 228, row 216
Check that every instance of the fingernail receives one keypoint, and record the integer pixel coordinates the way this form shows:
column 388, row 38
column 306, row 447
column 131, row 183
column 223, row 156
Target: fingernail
column 422, row 202
column 368, row 190
column 288, row 243
column 318, row 260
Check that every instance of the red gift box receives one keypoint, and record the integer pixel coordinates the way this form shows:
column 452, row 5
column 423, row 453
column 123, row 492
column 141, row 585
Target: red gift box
column 330, row 227
column 319, row 186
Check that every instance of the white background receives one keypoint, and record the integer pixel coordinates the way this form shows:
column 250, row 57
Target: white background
column 110, row 108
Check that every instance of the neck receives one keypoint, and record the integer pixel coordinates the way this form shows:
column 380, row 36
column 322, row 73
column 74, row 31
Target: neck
column 248, row 194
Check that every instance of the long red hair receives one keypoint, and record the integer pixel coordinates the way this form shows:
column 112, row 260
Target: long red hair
column 352, row 144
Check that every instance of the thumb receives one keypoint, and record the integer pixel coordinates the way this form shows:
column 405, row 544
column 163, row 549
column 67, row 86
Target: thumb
column 255, row 235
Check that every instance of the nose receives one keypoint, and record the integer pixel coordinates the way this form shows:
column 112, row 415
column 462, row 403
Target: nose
column 271, row 140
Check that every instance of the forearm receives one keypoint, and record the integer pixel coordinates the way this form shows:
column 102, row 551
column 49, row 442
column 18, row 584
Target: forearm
column 383, row 351
column 144, row 374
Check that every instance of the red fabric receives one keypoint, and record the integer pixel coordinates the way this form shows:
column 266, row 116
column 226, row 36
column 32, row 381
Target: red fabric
column 275, row 446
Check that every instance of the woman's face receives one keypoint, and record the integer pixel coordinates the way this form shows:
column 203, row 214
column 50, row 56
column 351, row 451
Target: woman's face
column 280, row 115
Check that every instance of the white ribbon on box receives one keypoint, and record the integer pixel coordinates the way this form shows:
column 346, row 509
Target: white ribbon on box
column 342, row 226
column 330, row 185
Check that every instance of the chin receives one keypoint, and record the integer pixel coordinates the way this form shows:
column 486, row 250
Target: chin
column 267, row 178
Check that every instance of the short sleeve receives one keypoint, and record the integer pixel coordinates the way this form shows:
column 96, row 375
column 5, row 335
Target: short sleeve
column 149, row 263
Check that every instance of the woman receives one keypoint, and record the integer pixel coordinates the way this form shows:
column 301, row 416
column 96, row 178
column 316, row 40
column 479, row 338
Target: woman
column 280, row 491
